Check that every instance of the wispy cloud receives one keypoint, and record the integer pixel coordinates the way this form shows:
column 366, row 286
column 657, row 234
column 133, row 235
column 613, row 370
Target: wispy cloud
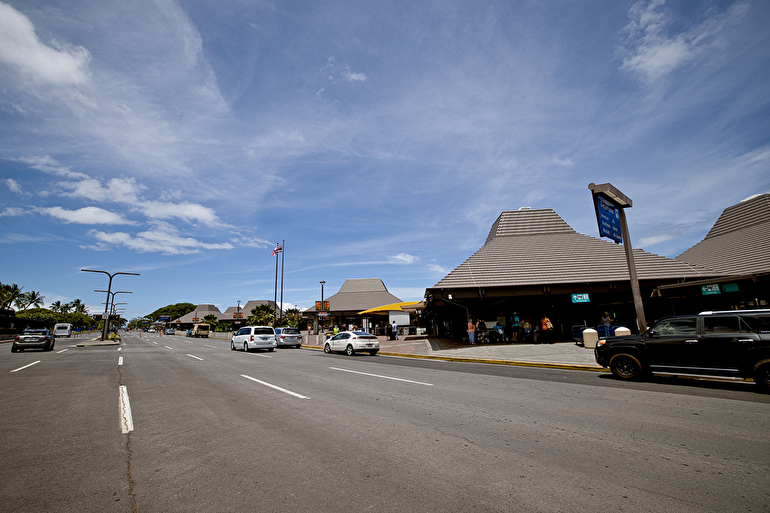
column 161, row 239
column 13, row 186
column 652, row 50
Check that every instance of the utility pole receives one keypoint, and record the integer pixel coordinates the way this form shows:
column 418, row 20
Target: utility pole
column 106, row 317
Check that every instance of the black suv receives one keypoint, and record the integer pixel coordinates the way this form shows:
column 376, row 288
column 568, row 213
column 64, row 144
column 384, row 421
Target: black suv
column 733, row 344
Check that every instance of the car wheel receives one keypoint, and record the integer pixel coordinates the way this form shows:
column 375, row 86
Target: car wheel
column 245, row 347
column 349, row 350
column 270, row 349
column 374, row 352
column 327, row 349
column 761, row 375
column 14, row 349
column 625, row 366
column 296, row 347
column 232, row 345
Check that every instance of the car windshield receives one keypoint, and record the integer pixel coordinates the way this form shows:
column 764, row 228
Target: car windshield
column 263, row 331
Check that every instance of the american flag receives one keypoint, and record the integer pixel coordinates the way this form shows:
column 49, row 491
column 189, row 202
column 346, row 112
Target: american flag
column 278, row 249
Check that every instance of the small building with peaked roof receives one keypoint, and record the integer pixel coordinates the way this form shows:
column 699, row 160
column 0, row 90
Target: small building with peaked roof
column 534, row 264
column 355, row 295
column 738, row 248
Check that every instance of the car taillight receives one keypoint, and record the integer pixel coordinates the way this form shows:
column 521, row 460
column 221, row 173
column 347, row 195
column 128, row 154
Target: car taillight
column 283, row 336
column 252, row 338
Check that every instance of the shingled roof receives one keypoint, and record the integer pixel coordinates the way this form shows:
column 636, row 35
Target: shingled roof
column 200, row 312
column 360, row 294
column 739, row 242
column 537, row 247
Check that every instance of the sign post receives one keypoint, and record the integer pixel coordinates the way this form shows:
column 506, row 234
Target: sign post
column 610, row 205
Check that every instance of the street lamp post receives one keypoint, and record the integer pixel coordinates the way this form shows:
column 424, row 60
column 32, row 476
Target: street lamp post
column 106, row 322
column 322, row 303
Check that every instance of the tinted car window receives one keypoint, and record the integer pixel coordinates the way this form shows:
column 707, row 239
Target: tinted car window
column 290, row 331
column 721, row 324
column 758, row 323
column 679, row 326
column 263, row 331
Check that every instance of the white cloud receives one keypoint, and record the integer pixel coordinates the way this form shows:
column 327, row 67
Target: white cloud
column 161, row 239
column 403, row 258
column 438, row 269
column 353, row 77
column 85, row 215
column 651, row 53
column 11, row 212
column 21, row 48
column 13, row 185
column 49, row 165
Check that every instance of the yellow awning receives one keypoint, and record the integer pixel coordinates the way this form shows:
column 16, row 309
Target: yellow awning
column 406, row 306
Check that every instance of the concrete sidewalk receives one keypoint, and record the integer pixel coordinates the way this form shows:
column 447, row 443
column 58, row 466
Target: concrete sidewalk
column 560, row 355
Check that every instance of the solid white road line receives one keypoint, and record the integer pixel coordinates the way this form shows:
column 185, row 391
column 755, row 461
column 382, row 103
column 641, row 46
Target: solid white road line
column 126, row 419
column 60, row 352
column 28, row 365
column 300, row 396
column 193, row 356
column 383, row 377
column 120, row 360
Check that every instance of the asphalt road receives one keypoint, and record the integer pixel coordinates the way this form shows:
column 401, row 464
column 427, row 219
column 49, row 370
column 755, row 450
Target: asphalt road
column 297, row 430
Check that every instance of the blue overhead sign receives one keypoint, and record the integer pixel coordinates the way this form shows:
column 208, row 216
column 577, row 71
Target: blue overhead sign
column 609, row 219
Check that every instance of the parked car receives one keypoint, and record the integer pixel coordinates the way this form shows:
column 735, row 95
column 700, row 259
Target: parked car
column 169, row 331
column 351, row 342
column 254, row 337
column 288, row 336
column 731, row 344
column 34, row 338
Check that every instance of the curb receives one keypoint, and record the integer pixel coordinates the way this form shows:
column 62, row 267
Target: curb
column 562, row 366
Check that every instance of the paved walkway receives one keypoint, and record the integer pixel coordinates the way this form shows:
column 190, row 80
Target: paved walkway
column 557, row 355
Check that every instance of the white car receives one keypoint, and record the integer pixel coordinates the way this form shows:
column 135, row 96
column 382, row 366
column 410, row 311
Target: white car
column 288, row 336
column 352, row 342
column 254, row 337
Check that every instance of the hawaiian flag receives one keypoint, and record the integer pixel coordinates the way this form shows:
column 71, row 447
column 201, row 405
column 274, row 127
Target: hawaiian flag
column 278, row 249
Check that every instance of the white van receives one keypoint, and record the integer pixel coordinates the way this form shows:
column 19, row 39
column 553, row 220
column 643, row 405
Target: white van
column 62, row 330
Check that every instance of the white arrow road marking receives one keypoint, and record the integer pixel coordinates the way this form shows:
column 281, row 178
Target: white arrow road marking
column 300, row 396
column 28, row 365
column 383, row 377
column 126, row 419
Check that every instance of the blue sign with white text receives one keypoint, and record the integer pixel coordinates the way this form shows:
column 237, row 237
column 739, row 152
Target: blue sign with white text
column 609, row 220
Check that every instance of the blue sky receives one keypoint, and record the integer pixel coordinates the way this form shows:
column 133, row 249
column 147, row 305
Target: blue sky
column 183, row 140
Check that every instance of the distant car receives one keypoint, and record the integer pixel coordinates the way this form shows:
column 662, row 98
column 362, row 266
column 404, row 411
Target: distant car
column 254, row 337
column 731, row 344
column 189, row 333
column 351, row 342
column 34, row 338
column 169, row 331
column 288, row 336
column 62, row 330
column 151, row 330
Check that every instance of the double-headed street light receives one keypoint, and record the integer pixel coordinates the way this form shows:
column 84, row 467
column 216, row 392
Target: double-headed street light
column 106, row 320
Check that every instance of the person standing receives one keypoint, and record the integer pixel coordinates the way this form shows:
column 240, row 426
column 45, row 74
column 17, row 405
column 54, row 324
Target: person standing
column 395, row 330
column 471, row 331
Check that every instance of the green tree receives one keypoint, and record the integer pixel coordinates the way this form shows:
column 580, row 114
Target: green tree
column 9, row 294
column 79, row 307
column 211, row 319
column 174, row 311
column 55, row 306
column 292, row 317
column 31, row 298
column 262, row 315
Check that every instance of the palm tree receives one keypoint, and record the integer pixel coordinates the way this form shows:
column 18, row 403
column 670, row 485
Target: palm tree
column 65, row 308
column 34, row 299
column 55, row 306
column 9, row 295
column 262, row 315
column 79, row 307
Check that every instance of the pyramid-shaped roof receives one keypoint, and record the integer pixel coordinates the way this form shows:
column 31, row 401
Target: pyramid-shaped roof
column 537, row 247
column 200, row 312
column 359, row 294
column 739, row 241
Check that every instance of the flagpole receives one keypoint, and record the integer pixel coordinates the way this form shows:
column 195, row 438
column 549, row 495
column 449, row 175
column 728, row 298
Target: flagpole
column 283, row 256
column 275, row 294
